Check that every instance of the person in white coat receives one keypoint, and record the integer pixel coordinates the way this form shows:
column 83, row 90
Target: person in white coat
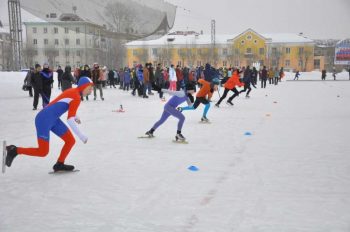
column 172, row 78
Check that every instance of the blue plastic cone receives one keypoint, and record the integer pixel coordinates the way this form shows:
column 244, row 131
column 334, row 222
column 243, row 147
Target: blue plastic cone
column 247, row 133
column 193, row 168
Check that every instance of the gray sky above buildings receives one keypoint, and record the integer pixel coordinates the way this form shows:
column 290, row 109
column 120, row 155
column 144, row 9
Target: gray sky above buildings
column 317, row 19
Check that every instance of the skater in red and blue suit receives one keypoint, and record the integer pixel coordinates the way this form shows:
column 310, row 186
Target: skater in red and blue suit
column 48, row 120
column 178, row 97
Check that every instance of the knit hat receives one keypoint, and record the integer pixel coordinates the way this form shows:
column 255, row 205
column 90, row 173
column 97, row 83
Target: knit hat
column 83, row 83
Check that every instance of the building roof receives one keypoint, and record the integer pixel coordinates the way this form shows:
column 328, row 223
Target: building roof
column 219, row 39
column 182, row 40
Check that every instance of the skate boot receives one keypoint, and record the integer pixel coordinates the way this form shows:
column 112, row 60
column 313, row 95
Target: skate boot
column 62, row 167
column 150, row 133
column 217, row 105
column 11, row 154
column 204, row 119
column 179, row 137
column 230, row 103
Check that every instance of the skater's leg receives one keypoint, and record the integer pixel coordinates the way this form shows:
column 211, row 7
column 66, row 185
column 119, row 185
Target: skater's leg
column 177, row 114
column 223, row 96
column 62, row 131
column 249, row 89
column 194, row 106
column 162, row 119
column 41, row 151
column 206, row 109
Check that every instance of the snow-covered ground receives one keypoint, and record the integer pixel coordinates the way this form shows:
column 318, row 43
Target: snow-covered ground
column 292, row 174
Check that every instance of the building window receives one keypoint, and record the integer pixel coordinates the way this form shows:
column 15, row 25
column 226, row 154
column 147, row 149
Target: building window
column 179, row 63
column 249, row 37
column 224, row 51
column 274, row 51
column 56, row 41
column 78, row 41
column 35, row 41
column 242, row 42
column 154, row 51
column 287, row 50
column 287, row 63
column 261, row 51
column 300, row 63
column 45, row 30
column 66, row 30
column 249, row 50
column 46, row 41
column 199, row 63
column 55, row 30
column 317, row 64
column 34, row 30
column 255, row 41
column 67, row 52
column 77, row 30
column 301, row 50
column 66, row 41
column 134, row 52
column 78, row 53
column 35, row 52
column 224, row 63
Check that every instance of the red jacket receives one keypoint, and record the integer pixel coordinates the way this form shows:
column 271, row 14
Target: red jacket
column 233, row 81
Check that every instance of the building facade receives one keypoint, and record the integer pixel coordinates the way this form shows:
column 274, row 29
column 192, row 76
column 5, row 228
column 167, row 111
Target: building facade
column 291, row 51
column 64, row 43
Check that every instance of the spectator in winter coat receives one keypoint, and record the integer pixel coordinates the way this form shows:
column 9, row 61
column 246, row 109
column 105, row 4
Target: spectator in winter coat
column 324, row 74
column 37, row 83
column 145, row 79
column 254, row 74
column 172, row 78
column 152, row 79
column 111, row 78
column 67, row 78
column 47, row 76
column 85, row 72
column 263, row 77
column 96, row 76
column 27, row 82
column 59, row 76
column 277, row 76
column 179, row 76
column 271, row 75
column 127, row 79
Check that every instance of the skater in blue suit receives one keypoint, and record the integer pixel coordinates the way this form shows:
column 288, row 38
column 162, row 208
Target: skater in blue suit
column 178, row 97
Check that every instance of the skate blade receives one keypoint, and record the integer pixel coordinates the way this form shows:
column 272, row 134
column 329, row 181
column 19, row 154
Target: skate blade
column 62, row 172
column 4, row 155
column 204, row 122
column 146, row 137
column 180, row 141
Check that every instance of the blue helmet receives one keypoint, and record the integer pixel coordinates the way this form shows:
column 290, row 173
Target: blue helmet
column 215, row 81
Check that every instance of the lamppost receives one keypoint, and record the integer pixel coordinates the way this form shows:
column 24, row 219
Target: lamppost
column 2, row 53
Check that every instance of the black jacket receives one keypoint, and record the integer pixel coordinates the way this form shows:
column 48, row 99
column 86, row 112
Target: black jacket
column 36, row 80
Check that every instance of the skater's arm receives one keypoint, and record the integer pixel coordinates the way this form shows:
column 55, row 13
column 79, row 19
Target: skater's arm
column 73, row 119
column 174, row 93
column 72, row 123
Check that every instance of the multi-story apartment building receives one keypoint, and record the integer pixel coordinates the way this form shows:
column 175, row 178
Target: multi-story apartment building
column 288, row 50
column 67, row 41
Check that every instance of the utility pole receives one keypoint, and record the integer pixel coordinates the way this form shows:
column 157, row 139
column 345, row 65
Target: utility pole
column 213, row 41
column 15, row 21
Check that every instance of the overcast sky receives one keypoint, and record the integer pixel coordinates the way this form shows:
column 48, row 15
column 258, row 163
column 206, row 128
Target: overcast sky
column 315, row 18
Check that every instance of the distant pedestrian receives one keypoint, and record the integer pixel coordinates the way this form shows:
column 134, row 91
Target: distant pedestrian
column 297, row 74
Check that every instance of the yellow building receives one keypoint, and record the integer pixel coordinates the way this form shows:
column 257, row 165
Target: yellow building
column 290, row 51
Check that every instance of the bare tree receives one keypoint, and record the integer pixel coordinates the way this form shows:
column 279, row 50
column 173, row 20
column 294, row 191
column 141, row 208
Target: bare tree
column 121, row 16
column 182, row 52
column 28, row 55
